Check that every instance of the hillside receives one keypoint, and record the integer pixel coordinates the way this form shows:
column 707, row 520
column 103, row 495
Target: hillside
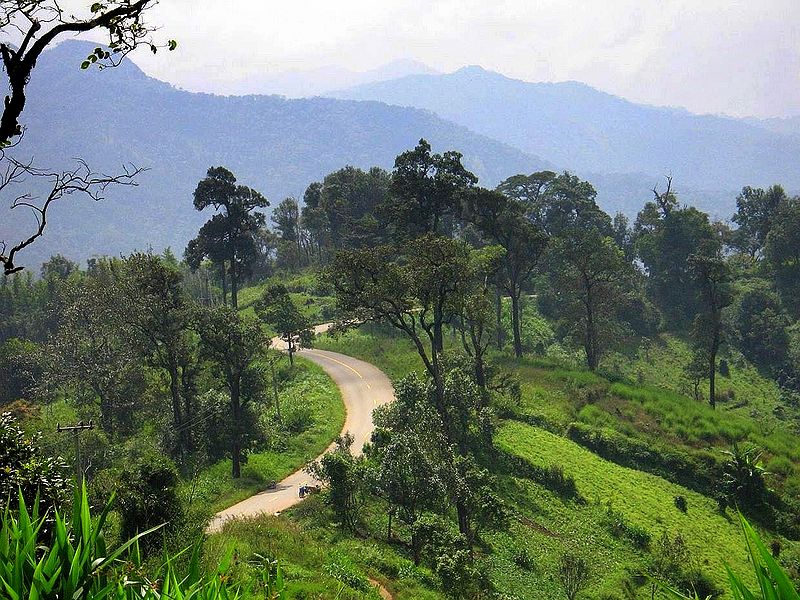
column 616, row 513
column 275, row 145
column 580, row 128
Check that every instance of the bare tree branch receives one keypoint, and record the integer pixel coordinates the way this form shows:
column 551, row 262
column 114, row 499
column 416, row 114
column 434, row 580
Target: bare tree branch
column 33, row 25
column 665, row 201
column 81, row 180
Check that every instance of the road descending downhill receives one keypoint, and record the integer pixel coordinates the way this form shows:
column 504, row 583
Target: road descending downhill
column 363, row 387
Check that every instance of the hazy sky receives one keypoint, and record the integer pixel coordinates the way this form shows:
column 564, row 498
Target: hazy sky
column 735, row 57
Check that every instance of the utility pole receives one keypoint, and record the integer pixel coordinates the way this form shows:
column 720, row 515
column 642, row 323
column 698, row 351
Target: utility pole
column 76, row 431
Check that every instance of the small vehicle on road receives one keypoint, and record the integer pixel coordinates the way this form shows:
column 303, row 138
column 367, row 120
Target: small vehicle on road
column 307, row 489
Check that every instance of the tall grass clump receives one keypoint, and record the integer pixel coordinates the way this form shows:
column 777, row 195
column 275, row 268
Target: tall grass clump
column 49, row 557
column 773, row 582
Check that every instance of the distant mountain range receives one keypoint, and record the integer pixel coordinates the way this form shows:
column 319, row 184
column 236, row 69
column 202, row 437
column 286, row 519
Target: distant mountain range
column 278, row 146
column 272, row 144
column 580, row 128
column 316, row 82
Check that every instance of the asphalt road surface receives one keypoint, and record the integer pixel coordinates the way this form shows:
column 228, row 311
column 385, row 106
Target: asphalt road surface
column 363, row 387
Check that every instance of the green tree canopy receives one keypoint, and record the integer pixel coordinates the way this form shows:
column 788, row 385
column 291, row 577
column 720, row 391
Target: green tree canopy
column 229, row 238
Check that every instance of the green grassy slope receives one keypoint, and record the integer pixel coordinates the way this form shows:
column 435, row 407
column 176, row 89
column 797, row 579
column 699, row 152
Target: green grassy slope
column 555, row 394
column 644, row 500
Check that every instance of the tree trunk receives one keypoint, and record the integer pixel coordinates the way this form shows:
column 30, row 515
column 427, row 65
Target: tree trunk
column 275, row 393
column 106, row 413
column 498, row 310
column 712, row 376
column 438, row 326
column 480, row 371
column 224, row 284
column 463, row 519
column 415, row 549
column 236, row 409
column 712, row 360
column 175, row 394
column 234, row 287
column 515, row 323
column 591, row 335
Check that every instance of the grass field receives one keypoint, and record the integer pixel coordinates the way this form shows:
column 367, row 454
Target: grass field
column 644, row 500
column 318, row 561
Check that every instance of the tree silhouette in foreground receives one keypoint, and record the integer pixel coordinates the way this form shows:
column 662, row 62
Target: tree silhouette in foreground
column 28, row 28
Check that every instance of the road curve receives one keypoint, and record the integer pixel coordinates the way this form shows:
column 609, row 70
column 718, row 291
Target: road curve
column 363, row 387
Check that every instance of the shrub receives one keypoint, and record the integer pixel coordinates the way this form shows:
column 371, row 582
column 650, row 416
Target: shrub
column 698, row 471
column 24, row 468
column 296, row 419
column 523, row 558
column 343, row 571
column 551, row 477
column 743, row 476
column 75, row 563
column 724, row 369
column 573, row 574
column 148, row 496
column 620, row 528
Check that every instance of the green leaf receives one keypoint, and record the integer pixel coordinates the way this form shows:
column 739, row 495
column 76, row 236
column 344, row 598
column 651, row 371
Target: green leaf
column 96, row 7
column 172, row 44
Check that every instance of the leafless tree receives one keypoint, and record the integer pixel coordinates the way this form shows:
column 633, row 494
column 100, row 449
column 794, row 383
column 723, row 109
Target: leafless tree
column 28, row 28
column 80, row 179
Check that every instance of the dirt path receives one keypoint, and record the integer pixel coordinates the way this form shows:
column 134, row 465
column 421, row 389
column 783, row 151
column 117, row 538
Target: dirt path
column 363, row 387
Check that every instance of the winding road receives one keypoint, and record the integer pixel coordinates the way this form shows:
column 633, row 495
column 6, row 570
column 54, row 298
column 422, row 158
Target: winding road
column 363, row 387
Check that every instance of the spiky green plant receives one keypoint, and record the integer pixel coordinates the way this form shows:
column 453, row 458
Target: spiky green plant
column 772, row 581
column 72, row 561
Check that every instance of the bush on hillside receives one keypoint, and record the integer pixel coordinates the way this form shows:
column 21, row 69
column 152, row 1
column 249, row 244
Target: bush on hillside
column 699, row 471
column 24, row 468
column 148, row 496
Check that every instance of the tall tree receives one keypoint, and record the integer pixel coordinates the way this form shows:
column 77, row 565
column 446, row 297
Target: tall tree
column 91, row 352
column 589, row 274
column 503, row 222
column 229, row 238
column 756, row 210
column 714, row 291
column 276, row 308
column 314, row 219
column 426, row 192
column 528, row 189
column 665, row 238
column 160, row 315
column 340, row 212
column 233, row 342
column 782, row 255
column 417, row 291
column 286, row 219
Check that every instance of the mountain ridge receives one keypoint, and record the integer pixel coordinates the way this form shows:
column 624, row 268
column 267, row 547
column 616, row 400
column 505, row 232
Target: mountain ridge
column 272, row 144
column 590, row 131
